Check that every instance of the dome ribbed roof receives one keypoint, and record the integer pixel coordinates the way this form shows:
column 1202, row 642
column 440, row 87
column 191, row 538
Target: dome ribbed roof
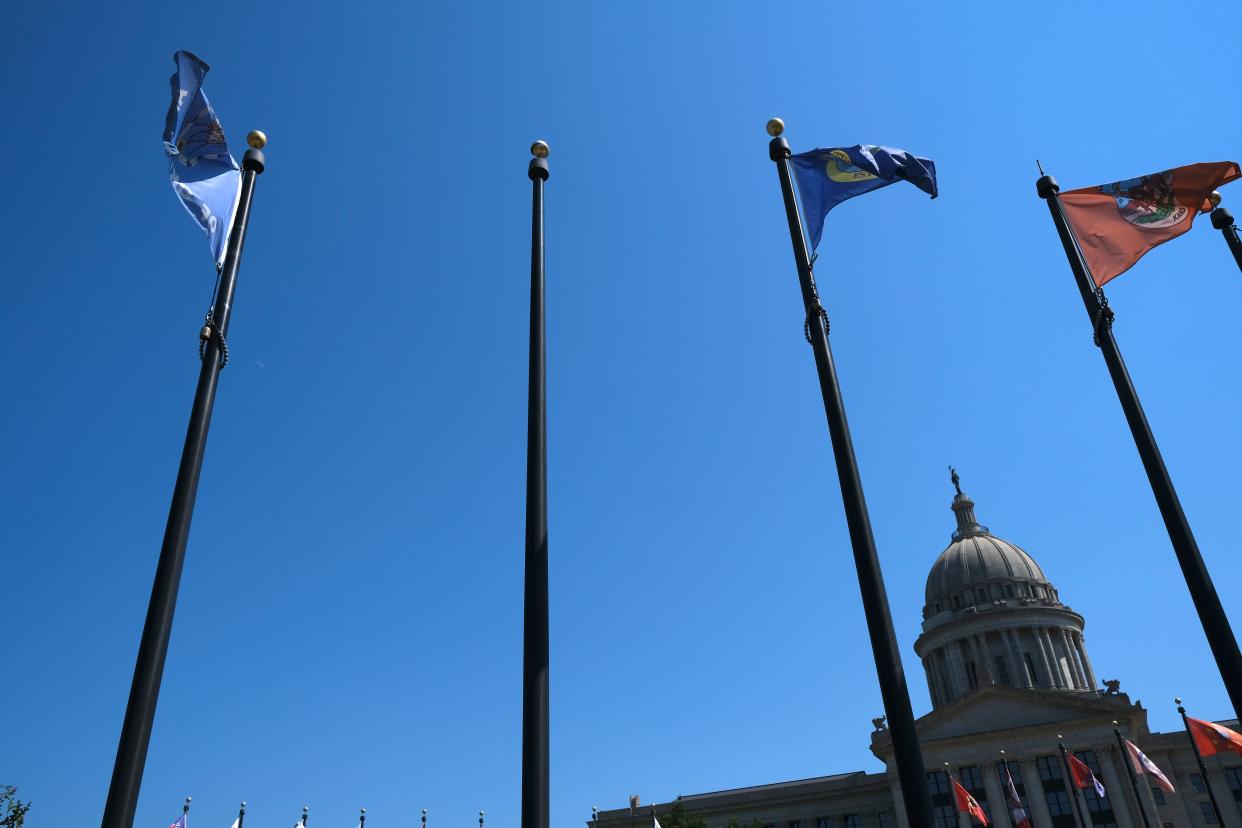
column 976, row 557
column 980, row 559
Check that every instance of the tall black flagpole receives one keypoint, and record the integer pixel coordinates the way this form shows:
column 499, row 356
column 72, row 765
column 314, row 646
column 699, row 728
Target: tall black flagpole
column 535, row 763
column 1129, row 763
column 1072, row 785
column 1202, row 590
column 1222, row 220
column 131, row 752
column 1207, row 783
column 906, row 751
column 241, row 815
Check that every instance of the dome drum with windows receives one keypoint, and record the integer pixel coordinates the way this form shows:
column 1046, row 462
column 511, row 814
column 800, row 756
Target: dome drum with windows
column 992, row 617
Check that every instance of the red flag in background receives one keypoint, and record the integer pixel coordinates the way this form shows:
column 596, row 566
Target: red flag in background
column 1083, row 777
column 1117, row 223
column 967, row 804
column 1212, row 738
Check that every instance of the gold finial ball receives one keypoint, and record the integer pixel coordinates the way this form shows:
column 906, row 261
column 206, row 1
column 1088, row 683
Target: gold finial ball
column 540, row 149
column 1214, row 197
column 256, row 139
column 775, row 127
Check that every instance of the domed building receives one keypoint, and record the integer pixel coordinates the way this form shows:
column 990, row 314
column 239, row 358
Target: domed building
column 993, row 618
column 1009, row 678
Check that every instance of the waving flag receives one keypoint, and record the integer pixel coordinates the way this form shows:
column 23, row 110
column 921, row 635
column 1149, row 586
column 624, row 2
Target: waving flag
column 1016, row 812
column 967, row 804
column 203, row 173
column 826, row 177
column 1083, row 777
column 181, row 821
column 1211, row 738
column 1141, row 764
column 1117, row 223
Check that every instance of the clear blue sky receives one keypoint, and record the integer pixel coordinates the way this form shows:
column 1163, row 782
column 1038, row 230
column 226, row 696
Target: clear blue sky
column 349, row 625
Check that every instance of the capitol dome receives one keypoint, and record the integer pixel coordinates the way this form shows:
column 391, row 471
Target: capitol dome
column 979, row 568
column 992, row 617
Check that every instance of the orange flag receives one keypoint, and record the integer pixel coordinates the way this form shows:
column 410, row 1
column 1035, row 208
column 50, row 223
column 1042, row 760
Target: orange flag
column 1117, row 223
column 967, row 804
column 1212, row 738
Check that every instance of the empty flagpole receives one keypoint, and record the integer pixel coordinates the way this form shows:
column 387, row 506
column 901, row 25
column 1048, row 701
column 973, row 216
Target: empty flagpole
column 535, row 762
column 1129, row 763
column 1222, row 220
column 131, row 753
column 1202, row 591
column 1207, row 783
column 907, row 754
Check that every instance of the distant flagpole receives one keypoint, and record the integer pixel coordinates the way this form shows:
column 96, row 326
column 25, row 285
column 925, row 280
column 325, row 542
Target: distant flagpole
column 241, row 815
column 1010, row 786
column 1202, row 591
column 185, row 811
column 362, row 818
column 1074, row 790
column 535, row 762
column 131, row 753
column 1207, row 783
column 305, row 815
column 1128, row 761
column 1222, row 220
column 907, row 754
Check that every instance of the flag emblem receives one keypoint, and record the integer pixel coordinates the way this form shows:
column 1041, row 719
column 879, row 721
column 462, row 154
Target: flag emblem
column 840, row 169
column 1148, row 201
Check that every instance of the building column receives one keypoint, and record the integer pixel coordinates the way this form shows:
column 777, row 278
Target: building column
column 931, row 683
column 947, row 679
column 1063, row 681
column 1037, row 634
column 1021, row 676
column 1080, row 675
column 899, row 805
column 963, row 680
column 997, row 803
column 1086, row 662
column 1041, row 817
column 982, row 658
column 1115, row 790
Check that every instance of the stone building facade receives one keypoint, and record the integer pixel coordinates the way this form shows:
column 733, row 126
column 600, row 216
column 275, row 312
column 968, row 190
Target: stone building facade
column 1008, row 670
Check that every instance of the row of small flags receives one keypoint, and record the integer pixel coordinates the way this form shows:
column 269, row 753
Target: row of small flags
column 1208, row 739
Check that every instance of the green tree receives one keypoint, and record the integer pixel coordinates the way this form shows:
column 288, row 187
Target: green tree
column 12, row 810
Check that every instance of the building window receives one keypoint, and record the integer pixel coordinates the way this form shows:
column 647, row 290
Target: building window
column 945, row 816
column 1209, row 813
column 972, row 781
column 937, row 783
column 1049, row 768
column 1030, row 665
column 981, row 595
column 823, row 822
column 937, row 606
column 1008, row 590
column 957, row 603
column 1099, row 806
column 1002, row 671
column 886, row 819
column 971, row 675
column 1196, row 781
column 1158, row 795
column 795, row 823
column 1058, row 803
column 851, row 821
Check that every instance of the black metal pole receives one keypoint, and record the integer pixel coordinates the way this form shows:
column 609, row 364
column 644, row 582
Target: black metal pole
column 1072, row 786
column 1202, row 591
column 305, row 814
column 362, row 818
column 535, row 764
column 241, row 815
column 1129, row 763
column 1222, row 220
column 131, row 753
column 907, row 754
column 1207, row 783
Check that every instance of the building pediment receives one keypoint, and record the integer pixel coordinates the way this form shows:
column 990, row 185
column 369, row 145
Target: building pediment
column 1003, row 710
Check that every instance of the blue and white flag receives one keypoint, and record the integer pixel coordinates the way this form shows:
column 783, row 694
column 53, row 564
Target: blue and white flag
column 826, row 177
column 203, row 173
